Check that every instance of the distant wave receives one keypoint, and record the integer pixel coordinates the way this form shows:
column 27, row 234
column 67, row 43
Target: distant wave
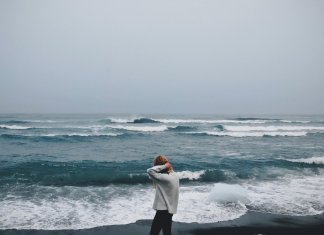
column 59, row 137
column 273, row 128
column 296, row 121
column 119, row 120
column 270, row 120
column 144, row 120
column 43, row 121
column 140, row 128
column 182, row 128
column 130, row 120
column 240, row 120
column 82, row 134
column 220, row 127
column 224, row 121
column 254, row 119
column 14, row 122
column 15, row 127
column 249, row 134
column 311, row 160
column 206, row 121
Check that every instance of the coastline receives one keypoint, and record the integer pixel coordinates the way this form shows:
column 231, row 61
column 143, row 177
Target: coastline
column 250, row 223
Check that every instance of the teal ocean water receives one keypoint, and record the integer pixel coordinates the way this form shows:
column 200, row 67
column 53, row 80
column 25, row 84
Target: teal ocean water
column 61, row 171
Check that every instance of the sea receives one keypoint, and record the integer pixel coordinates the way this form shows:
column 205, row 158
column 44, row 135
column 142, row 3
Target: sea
column 76, row 171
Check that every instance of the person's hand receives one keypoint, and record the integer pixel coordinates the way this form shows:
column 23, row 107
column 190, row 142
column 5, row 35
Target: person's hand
column 167, row 166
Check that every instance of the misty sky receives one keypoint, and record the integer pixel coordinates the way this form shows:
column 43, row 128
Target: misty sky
column 162, row 56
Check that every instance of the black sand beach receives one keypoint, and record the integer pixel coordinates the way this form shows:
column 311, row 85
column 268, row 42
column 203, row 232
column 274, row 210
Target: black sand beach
column 252, row 223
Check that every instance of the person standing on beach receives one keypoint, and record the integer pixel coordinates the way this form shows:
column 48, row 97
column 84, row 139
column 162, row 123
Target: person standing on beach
column 166, row 183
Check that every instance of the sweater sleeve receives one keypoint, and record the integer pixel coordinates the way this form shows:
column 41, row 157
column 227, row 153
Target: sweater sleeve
column 155, row 173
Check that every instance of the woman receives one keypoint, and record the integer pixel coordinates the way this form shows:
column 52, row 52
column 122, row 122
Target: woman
column 166, row 183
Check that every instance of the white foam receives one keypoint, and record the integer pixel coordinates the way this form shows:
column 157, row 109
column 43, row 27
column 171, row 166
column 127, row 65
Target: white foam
column 295, row 121
column 191, row 175
column 43, row 121
column 224, row 193
column 290, row 195
column 85, row 207
column 311, row 160
column 82, row 134
column 71, row 134
column 15, row 127
column 250, row 134
column 201, row 121
column 140, row 128
column 272, row 128
column 196, row 206
column 121, row 120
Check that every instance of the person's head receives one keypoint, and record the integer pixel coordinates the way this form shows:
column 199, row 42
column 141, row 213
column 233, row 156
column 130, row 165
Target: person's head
column 160, row 160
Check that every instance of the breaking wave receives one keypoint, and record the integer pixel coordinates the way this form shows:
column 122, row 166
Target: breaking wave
column 311, row 160
column 273, row 128
column 140, row 128
column 15, row 127
column 249, row 134
column 144, row 120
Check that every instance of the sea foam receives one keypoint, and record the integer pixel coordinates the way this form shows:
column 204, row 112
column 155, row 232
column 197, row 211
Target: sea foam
column 250, row 134
column 191, row 175
column 15, row 127
column 224, row 193
column 72, row 207
column 272, row 128
column 311, row 160
column 140, row 128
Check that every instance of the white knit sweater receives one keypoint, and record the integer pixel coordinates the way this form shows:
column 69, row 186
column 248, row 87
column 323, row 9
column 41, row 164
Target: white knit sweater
column 167, row 189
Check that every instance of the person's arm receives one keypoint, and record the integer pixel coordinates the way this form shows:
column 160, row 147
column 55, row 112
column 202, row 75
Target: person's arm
column 155, row 172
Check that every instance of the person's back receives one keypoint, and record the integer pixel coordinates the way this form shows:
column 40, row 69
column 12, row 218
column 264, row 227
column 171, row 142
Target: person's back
column 166, row 182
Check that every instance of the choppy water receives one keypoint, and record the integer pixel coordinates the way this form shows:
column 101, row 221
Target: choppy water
column 80, row 171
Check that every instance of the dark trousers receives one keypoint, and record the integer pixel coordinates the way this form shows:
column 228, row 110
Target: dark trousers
column 162, row 220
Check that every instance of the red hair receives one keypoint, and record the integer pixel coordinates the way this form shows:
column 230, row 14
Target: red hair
column 161, row 160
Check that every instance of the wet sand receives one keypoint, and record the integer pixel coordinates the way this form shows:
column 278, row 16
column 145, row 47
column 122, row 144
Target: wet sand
column 252, row 223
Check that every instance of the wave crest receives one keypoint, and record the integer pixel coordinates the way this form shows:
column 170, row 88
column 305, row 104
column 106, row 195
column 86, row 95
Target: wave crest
column 311, row 160
column 15, row 127
column 249, row 134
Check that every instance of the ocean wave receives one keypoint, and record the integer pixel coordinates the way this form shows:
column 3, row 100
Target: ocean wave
column 181, row 128
column 191, row 175
column 220, row 127
column 289, row 195
column 60, row 137
column 129, row 120
column 89, row 207
column 139, row 128
column 120, row 120
column 144, row 120
column 249, row 134
column 87, row 173
column 80, row 134
column 273, row 128
column 15, row 127
column 14, row 122
column 256, row 119
column 43, row 121
column 311, row 160
column 296, row 121
column 207, row 121
column 84, row 173
column 109, row 205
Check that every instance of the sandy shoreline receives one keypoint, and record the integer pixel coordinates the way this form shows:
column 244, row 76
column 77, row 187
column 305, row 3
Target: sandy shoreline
column 250, row 223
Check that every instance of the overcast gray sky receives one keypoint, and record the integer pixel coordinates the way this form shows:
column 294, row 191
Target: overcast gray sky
column 166, row 56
